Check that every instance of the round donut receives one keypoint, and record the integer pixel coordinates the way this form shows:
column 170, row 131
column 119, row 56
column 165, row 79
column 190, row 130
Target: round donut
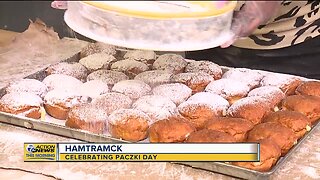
column 29, row 86
column 250, row 108
column 251, row 77
column 107, row 76
column 270, row 152
column 206, row 67
column 208, row 136
column 296, row 121
column 129, row 124
column 61, row 81
column 229, row 89
column 155, row 77
column 236, row 127
column 112, row 101
column 87, row 117
column 156, row 107
column 195, row 81
column 97, row 61
column 273, row 95
column 58, row 102
column 171, row 62
column 284, row 137
column 22, row 103
column 287, row 83
column 98, row 47
column 132, row 88
column 130, row 67
column 176, row 92
column 94, row 88
column 309, row 88
column 305, row 104
column 173, row 129
column 203, row 106
column 145, row 56
column 75, row 70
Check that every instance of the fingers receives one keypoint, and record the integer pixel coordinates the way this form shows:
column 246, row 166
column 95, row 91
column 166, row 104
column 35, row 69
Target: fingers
column 59, row 4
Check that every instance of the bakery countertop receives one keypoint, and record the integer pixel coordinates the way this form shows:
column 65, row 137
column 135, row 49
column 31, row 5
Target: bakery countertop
column 304, row 164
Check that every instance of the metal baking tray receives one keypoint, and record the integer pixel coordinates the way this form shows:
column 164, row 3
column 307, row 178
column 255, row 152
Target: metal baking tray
column 57, row 127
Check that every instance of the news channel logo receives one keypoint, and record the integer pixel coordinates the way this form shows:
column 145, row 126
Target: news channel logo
column 40, row 152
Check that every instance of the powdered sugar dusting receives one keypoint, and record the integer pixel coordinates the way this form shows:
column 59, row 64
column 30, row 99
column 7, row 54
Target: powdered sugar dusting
column 94, row 88
column 98, row 47
column 176, row 92
column 140, row 55
column 112, row 101
column 27, row 85
column 89, row 113
column 131, row 66
column 254, row 101
column 278, row 80
column 157, row 107
column 250, row 77
column 107, row 76
column 68, row 98
column 267, row 92
column 132, row 88
column 206, row 67
column 61, row 81
column 155, row 77
column 16, row 100
column 192, row 78
column 97, row 61
column 71, row 69
column 122, row 115
column 172, row 62
column 228, row 88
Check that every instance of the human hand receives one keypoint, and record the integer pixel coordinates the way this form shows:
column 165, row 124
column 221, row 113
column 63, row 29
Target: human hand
column 252, row 15
column 59, row 4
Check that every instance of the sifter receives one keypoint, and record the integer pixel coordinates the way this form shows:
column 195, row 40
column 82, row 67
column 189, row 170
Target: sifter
column 153, row 25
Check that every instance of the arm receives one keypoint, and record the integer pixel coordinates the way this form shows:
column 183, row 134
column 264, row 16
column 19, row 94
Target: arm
column 252, row 14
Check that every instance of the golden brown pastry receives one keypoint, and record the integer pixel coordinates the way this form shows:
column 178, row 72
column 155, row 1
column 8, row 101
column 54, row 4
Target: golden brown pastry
column 176, row 92
column 87, row 117
column 305, row 104
column 284, row 137
column 29, row 86
column 296, row 121
column 21, row 103
column 173, row 129
column 206, row 67
column 203, row 106
column 251, row 78
column 129, row 124
column 129, row 67
column 58, row 102
column 229, row 89
column 75, row 70
column 171, row 62
column 112, row 101
column 107, row 76
column 98, row 47
column 207, row 136
column 287, row 83
column 155, row 77
column 236, row 127
column 270, row 152
column 309, row 88
column 145, row 56
column 97, row 61
column 250, row 108
column 196, row 81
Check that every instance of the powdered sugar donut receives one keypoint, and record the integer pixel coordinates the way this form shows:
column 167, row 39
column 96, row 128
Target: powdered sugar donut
column 156, row 107
column 130, row 67
column 229, row 89
column 287, row 83
column 27, row 85
column 87, row 117
column 272, row 95
column 195, row 81
column 132, row 88
column 93, row 88
column 129, row 124
column 250, row 108
column 205, row 66
column 58, row 102
column 97, row 61
column 251, row 77
column 145, row 56
column 61, row 81
column 203, row 106
column 112, row 101
column 176, row 92
column 75, row 70
column 21, row 103
column 107, row 76
column 98, row 47
column 172, row 62
column 155, row 77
